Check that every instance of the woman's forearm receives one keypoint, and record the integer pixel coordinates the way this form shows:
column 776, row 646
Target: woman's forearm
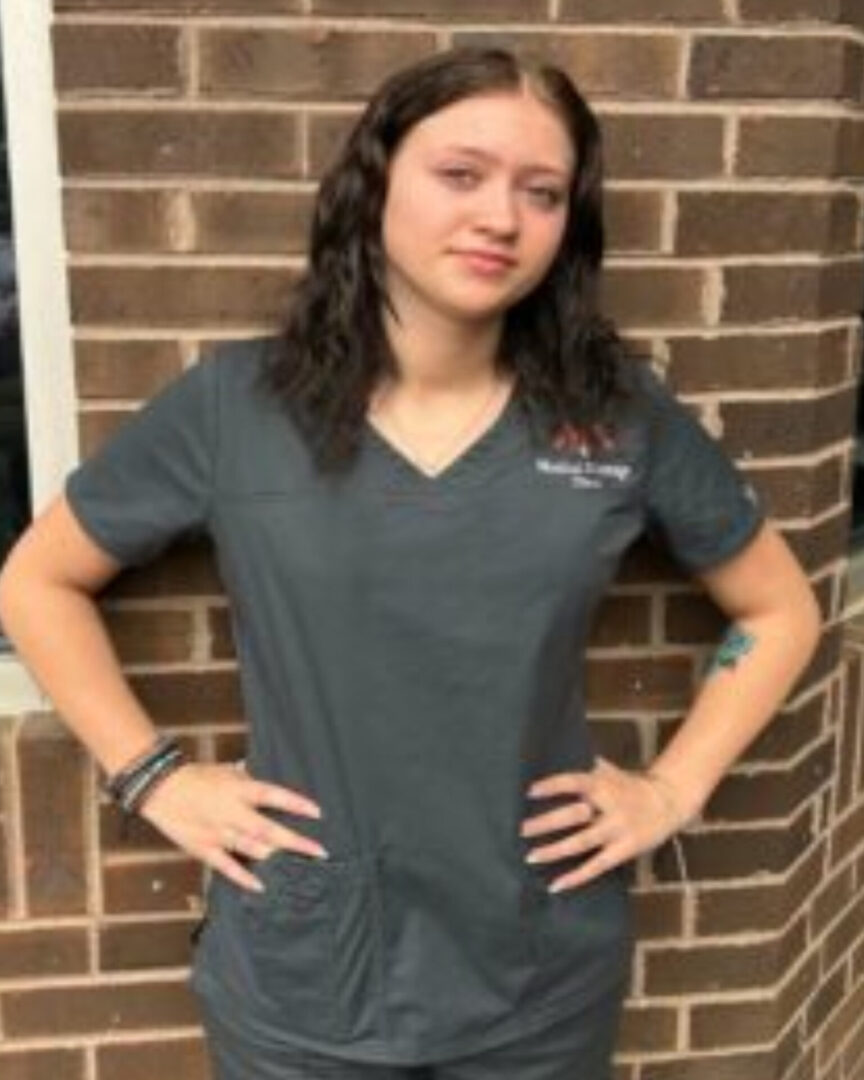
column 59, row 633
column 736, row 700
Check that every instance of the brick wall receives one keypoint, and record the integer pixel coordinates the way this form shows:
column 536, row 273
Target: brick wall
column 192, row 133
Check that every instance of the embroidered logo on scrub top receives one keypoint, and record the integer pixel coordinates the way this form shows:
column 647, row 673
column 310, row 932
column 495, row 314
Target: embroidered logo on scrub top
column 576, row 459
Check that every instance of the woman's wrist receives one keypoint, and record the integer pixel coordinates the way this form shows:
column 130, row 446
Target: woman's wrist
column 679, row 814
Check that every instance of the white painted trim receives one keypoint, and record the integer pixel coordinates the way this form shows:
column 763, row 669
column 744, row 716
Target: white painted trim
column 51, row 403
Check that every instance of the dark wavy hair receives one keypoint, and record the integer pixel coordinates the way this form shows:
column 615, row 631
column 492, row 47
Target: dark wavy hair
column 332, row 347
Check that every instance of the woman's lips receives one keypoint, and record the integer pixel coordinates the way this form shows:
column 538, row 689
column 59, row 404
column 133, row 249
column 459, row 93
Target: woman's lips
column 485, row 262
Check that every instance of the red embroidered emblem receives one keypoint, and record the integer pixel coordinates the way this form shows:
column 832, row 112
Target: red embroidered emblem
column 582, row 439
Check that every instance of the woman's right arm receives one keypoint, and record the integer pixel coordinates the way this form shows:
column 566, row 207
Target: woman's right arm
column 48, row 611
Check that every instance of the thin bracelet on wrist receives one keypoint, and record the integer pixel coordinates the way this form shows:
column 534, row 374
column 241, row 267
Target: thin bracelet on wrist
column 112, row 784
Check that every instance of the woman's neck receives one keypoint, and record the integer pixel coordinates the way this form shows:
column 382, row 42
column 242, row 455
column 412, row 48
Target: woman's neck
column 439, row 358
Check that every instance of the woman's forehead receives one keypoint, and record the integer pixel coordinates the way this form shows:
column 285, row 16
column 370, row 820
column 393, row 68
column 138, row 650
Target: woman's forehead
column 503, row 127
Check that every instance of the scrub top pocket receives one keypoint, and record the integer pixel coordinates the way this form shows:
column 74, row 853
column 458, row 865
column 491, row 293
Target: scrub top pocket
column 312, row 939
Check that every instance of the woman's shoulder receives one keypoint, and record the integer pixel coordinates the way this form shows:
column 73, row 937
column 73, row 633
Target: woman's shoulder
column 239, row 360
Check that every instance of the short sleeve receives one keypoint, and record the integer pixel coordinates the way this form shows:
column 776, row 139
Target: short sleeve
column 698, row 503
column 151, row 481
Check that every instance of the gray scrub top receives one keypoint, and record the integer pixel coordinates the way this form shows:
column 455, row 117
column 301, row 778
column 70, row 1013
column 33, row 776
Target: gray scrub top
column 411, row 656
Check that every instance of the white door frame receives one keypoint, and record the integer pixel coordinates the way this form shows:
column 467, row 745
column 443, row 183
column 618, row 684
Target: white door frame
column 46, row 341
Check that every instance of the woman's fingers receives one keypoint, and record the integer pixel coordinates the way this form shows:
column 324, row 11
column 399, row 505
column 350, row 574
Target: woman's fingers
column 220, row 860
column 257, row 829
column 262, row 793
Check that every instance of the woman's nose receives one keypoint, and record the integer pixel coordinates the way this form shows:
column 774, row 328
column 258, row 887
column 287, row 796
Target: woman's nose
column 498, row 212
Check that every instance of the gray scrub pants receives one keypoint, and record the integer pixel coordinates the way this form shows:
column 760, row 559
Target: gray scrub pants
column 580, row 1047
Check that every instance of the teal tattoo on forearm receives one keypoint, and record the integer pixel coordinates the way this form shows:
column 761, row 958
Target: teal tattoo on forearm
column 735, row 644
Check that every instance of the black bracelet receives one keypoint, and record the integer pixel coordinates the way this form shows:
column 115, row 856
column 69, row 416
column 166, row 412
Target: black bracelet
column 116, row 785
column 133, row 798
column 130, row 795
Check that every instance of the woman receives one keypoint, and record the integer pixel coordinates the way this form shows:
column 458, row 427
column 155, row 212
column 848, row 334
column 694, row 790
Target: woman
column 418, row 493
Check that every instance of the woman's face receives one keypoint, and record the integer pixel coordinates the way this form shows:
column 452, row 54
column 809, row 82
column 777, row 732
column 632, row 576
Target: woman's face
column 476, row 206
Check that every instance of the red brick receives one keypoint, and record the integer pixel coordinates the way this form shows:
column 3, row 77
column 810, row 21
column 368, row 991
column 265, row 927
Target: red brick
column 175, row 1058
column 52, row 774
column 792, row 11
column 42, row 952
column 649, row 683
column 847, row 932
column 33, row 1064
column 848, row 729
column 327, row 134
column 96, row 59
column 653, row 295
column 171, row 296
column 240, row 222
column 97, row 1010
column 179, row 142
column 727, row 361
column 727, row 854
column 791, row 729
column 774, row 794
column 800, row 146
column 222, row 646
column 779, row 426
column 191, row 7
column 736, row 1023
column 318, row 62
column 452, row 10
column 634, row 221
column 155, row 886
column 189, row 699
column 614, row 65
column 657, row 147
column 7, row 764
column 828, row 995
column 185, row 569
column 124, row 369
column 658, row 914
column 101, row 220
column 150, row 944
column 842, row 1021
column 152, row 636
column 743, row 66
column 623, row 11
column 799, row 988
column 696, row 968
column 646, row 1029
column 741, row 908
column 725, row 223
column 622, row 620
column 789, row 291
column 816, row 547
column 692, row 618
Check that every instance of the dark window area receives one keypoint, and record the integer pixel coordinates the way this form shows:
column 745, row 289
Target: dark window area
column 14, row 471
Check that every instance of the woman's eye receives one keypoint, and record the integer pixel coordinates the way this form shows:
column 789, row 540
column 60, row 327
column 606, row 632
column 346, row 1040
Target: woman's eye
column 460, row 175
column 549, row 197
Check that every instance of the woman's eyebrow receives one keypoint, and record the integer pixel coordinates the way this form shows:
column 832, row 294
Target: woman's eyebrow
column 487, row 155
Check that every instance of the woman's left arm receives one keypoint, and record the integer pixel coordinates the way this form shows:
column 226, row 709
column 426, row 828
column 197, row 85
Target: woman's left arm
column 775, row 625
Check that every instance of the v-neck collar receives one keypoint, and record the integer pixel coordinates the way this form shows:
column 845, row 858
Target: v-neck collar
column 473, row 453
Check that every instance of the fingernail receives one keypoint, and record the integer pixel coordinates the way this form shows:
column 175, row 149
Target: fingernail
column 258, row 886
column 323, row 853
column 316, row 811
column 556, row 886
column 532, row 857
